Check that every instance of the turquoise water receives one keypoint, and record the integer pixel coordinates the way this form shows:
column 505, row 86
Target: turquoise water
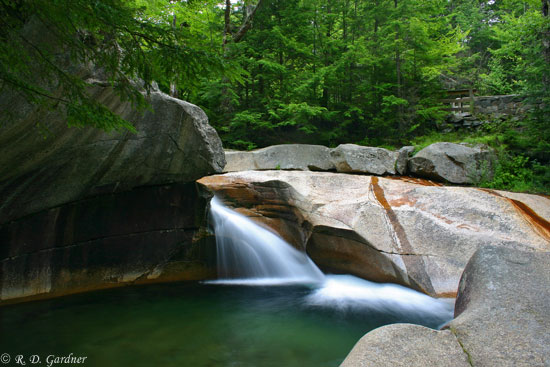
column 199, row 325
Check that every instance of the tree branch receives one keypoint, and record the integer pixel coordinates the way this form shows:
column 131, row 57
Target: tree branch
column 247, row 24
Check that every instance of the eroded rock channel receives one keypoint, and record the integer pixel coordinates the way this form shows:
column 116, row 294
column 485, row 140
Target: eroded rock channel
column 388, row 230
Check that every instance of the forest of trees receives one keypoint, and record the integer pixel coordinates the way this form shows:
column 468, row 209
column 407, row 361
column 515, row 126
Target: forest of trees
column 288, row 71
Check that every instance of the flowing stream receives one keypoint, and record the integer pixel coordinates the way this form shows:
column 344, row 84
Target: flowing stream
column 271, row 307
column 249, row 254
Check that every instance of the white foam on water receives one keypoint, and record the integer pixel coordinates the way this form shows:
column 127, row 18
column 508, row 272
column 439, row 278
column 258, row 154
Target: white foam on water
column 349, row 292
column 248, row 254
column 248, row 251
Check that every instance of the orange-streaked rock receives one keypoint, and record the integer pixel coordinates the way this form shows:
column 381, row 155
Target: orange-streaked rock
column 400, row 230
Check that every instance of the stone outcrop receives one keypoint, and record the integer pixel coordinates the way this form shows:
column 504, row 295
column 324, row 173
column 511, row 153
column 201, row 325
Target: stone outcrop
column 407, row 345
column 454, row 163
column 402, row 159
column 348, row 158
column 446, row 162
column 288, row 157
column 501, row 319
column 83, row 209
column 351, row 158
column 143, row 235
column 407, row 231
column 174, row 143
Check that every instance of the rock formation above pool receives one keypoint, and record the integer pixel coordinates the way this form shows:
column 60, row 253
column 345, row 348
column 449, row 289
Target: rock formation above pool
column 83, row 209
column 40, row 170
column 408, row 231
column 501, row 319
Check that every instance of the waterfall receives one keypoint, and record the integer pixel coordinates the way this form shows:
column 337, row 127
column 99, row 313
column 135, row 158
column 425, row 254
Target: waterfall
column 248, row 253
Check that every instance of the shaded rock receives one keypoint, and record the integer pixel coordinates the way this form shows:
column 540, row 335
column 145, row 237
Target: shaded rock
column 458, row 117
column 501, row 319
column 174, row 144
column 351, row 158
column 148, row 234
column 402, row 158
column 81, row 209
column 454, row 163
column 288, row 157
column 402, row 230
column 407, row 345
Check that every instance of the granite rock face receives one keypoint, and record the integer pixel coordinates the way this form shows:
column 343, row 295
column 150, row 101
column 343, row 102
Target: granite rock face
column 406, row 345
column 454, row 163
column 351, row 158
column 406, row 231
column 147, row 234
column 83, row 209
column 444, row 162
column 501, row 314
column 174, row 144
column 287, row 157
column 348, row 158
column 501, row 319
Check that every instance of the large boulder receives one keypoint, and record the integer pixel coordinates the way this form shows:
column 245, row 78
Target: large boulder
column 351, row 158
column 43, row 169
column 454, row 163
column 501, row 319
column 407, row 231
column 288, row 157
column 407, row 345
column 501, row 313
column 83, row 209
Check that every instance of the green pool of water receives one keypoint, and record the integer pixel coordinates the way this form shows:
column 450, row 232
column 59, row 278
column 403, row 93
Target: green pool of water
column 195, row 325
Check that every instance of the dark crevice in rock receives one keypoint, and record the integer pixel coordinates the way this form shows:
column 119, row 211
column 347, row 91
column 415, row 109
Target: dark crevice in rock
column 455, row 161
column 405, row 254
column 468, row 356
column 175, row 142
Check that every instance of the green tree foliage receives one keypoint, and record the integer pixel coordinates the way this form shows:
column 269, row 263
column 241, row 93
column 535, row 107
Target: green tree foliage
column 279, row 71
column 330, row 71
column 120, row 38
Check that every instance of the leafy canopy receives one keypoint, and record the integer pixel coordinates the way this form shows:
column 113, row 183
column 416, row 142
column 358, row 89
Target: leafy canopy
column 45, row 46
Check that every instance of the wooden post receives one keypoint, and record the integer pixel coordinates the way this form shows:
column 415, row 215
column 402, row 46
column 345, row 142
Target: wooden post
column 472, row 102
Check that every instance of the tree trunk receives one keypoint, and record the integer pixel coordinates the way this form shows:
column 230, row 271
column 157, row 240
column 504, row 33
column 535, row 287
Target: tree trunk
column 546, row 48
column 399, row 81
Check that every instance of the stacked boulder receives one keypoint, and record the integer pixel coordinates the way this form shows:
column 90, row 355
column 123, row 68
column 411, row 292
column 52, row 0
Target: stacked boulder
column 447, row 162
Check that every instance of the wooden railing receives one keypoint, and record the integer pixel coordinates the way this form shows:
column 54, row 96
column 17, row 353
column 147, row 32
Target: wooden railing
column 463, row 101
column 461, row 104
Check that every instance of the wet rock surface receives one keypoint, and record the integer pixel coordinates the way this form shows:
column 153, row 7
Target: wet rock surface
column 408, row 231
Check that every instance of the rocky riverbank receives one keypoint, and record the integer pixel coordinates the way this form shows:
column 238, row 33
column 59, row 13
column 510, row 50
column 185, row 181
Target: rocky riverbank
column 406, row 231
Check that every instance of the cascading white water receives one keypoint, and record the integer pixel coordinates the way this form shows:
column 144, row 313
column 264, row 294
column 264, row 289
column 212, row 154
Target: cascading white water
column 248, row 253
